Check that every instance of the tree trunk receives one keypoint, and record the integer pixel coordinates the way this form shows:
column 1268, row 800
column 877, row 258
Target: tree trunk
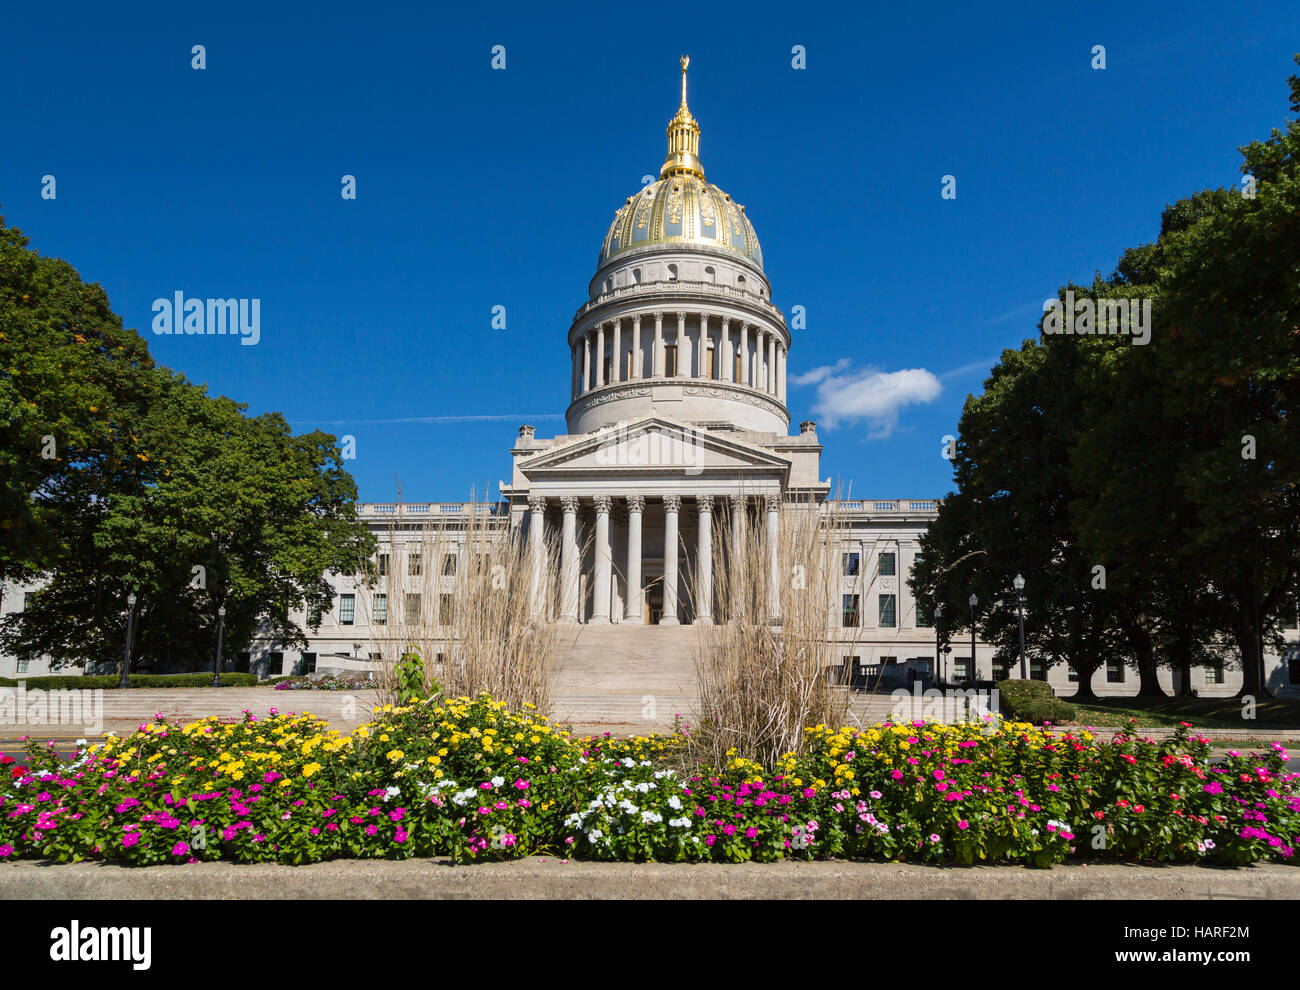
column 1247, row 629
column 1085, row 673
column 1139, row 638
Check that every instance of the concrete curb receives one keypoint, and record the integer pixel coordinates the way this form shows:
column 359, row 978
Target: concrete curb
column 542, row 877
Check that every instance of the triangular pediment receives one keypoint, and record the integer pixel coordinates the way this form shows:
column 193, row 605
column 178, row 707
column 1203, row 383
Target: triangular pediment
column 650, row 444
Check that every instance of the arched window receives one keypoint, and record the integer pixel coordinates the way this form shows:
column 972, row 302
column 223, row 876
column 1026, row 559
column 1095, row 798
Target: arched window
column 709, row 274
column 740, row 282
column 636, row 275
column 672, row 273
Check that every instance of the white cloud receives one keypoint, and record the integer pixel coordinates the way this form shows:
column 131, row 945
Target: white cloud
column 846, row 395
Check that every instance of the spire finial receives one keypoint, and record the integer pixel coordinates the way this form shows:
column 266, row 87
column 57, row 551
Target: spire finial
column 683, row 137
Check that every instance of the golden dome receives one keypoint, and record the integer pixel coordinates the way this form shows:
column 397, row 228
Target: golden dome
column 682, row 208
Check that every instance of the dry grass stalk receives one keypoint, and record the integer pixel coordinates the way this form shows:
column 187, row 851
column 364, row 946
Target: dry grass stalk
column 472, row 599
column 772, row 664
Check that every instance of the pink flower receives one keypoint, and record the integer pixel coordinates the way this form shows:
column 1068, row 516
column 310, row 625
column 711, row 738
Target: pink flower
column 372, row 829
column 751, row 832
column 521, row 785
column 130, row 839
column 963, row 824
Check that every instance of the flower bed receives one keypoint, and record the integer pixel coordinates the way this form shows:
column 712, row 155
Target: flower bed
column 333, row 682
column 467, row 778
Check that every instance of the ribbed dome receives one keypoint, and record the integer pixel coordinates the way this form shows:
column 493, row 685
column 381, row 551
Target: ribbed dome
column 682, row 208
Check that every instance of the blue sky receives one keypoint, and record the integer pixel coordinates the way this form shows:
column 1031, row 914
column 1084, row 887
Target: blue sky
column 478, row 188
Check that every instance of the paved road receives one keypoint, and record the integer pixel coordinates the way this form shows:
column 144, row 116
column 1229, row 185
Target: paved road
column 548, row 877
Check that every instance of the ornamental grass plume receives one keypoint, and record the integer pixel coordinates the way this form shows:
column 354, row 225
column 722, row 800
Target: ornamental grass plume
column 770, row 666
column 469, row 598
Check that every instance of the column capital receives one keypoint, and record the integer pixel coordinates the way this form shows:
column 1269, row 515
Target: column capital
column 737, row 502
column 726, row 322
column 772, row 503
column 635, row 503
column 672, row 503
column 636, row 320
column 603, row 504
column 704, row 503
column 681, row 317
column 569, row 503
column 537, row 503
column 659, row 315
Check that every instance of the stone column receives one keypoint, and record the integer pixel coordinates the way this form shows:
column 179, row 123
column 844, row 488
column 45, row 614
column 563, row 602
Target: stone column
column 600, row 355
column 600, row 588
column 780, row 374
column 737, row 604
column 657, row 358
column 683, row 348
column 760, row 355
column 634, row 613
column 618, row 352
column 704, row 346
column 672, row 503
column 773, row 505
column 569, row 560
column 704, row 562
column 586, row 362
column 537, row 548
column 728, row 369
column 744, row 354
column 636, row 346
column 573, row 372
column 771, row 364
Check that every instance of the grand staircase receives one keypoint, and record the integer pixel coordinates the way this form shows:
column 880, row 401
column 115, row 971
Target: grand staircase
column 625, row 679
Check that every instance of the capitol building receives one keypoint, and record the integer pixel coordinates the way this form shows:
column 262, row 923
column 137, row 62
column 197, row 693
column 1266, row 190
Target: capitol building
column 678, row 434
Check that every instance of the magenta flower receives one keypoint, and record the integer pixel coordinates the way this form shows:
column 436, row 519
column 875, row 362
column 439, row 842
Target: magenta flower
column 963, row 824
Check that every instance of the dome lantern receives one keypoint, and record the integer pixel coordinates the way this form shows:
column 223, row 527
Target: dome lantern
column 683, row 138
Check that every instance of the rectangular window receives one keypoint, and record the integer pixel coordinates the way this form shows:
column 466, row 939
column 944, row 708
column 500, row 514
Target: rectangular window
column 413, row 609
column 850, row 611
column 1072, row 676
column 961, row 668
column 670, row 360
column 274, row 664
column 1001, row 670
column 888, row 607
column 446, row 609
column 347, row 609
column 380, row 614
column 383, row 565
column 27, row 600
column 1037, row 670
column 924, row 620
column 735, row 372
column 449, row 563
column 1114, row 672
column 1293, row 667
column 307, row 665
column 23, row 665
column 376, row 658
column 708, row 363
column 1214, row 672
column 887, row 568
column 414, row 565
column 851, row 563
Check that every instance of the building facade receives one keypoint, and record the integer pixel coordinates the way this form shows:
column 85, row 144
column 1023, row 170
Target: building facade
column 678, row 426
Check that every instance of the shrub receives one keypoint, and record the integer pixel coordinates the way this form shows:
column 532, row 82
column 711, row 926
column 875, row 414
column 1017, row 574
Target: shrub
column 59, row 683
column 6, row 682
column 1032, row 701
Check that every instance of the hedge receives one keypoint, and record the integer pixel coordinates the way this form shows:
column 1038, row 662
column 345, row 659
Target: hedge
column 67, row 682
column 1032, row 701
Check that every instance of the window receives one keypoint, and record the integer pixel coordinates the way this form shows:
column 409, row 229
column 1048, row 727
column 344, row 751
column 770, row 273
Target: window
column 1114, row 672
column 850, row 616
column 670, row 360
column 961, row 668
column 306, row 665
column 412, row 609
column 887, row 565
column 379, row 616
column 851, row 564
column 1037, row 670
column 347, row 609
column 27, row 600
column 1072, row 676
column 708, row 363
column 414, row 566
column 1214, row 672
column 242, row 662
column 274, row 664
column 672, row 273
column 376, row 658
column 23, row 665
column 383, row 565
column 1001, row 670
column 608, row 369
column 924, row 620
column 1293, row 667
column 446, row 609
column 888, row 608
column 449, row 563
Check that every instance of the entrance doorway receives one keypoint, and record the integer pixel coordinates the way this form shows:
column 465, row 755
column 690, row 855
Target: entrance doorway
column 654, row 602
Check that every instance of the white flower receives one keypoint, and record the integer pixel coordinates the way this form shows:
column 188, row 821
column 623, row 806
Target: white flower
column 391, row 792
column 675, row 803
column 498, row 781
column 627, row 761
column 682, row 822
column 652, row 816
column 644, row 786
column 82, row 742
column 594, row 835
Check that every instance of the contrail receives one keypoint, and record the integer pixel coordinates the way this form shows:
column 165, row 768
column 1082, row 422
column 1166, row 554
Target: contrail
column 434, row 419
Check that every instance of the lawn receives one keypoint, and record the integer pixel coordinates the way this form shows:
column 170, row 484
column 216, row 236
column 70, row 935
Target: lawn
column 1204, row 713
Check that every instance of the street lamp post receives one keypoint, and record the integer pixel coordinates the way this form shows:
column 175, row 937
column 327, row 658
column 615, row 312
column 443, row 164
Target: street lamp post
column 216, row 663
column 973, row 669
column 938, row 656
column 122, row 681
column 1018, row 583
